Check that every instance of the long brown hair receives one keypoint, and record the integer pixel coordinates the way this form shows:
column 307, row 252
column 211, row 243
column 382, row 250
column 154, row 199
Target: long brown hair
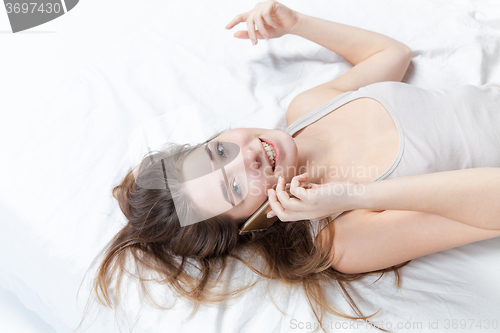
column 153, row 239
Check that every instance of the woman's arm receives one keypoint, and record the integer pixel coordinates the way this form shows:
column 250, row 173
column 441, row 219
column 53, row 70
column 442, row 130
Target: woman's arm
column 470, row 196
column 352, row 43
column 375, row 57
column 366, row 241
column 419, row 215
column 391, row 221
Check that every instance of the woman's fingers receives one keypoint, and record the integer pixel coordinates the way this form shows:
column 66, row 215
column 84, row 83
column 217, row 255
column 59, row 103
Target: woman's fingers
column 281, row 193
column 259, row 22
column 280, row 210
column 259, row 16
column 280, row 188
column 251, row 29
column 266, row 14
column 276, row 205
column 244, row 34
column 237, row 19
column 295, row 187
column 276, row 200
column 289, row 204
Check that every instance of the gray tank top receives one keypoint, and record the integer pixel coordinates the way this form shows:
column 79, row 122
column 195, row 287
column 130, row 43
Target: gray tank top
column 439, row 130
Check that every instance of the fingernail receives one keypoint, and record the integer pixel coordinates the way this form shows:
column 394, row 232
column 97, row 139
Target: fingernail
column 268, row 215
column 268, row 192
column 253, row 41
column 266, row 36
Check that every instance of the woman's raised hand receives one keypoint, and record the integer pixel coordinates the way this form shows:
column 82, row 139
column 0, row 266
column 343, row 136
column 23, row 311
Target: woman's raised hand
column 314, row 203
column 272, row 19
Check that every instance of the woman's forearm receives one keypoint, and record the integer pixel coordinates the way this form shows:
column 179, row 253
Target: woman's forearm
column 470, row 196
column 352, row 43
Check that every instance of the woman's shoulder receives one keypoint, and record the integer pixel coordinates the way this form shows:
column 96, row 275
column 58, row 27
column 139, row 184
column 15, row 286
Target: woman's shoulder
column 308, row 101
column 312, row 99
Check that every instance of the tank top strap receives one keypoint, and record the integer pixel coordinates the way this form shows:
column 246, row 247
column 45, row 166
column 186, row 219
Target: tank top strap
column 322, row 111
column 345, row 98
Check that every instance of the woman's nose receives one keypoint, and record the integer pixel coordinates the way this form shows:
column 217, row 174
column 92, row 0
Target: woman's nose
column 250, row 158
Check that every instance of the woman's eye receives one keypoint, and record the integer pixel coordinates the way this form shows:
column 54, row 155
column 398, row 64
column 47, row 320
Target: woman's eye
column 220, row 150
column 236, row 189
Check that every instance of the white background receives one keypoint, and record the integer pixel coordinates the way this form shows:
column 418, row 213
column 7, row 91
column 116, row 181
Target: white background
column 52, row 55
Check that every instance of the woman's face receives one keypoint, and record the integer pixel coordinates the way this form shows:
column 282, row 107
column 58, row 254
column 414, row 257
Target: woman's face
column 247, row 177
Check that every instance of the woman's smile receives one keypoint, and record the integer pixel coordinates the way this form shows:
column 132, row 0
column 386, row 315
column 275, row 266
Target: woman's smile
column 272, row 150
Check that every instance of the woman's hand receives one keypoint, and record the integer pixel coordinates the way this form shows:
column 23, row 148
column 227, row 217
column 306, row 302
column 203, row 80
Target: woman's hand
column 272, row 18
column 318, row 202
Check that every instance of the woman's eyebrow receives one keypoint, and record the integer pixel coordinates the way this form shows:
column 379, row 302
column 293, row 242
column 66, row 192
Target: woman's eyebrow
column 226, row 187
column 209, row 152
column 209, row 156
column 225, row 194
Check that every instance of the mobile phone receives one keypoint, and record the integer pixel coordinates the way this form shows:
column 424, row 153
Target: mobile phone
column 259, row 221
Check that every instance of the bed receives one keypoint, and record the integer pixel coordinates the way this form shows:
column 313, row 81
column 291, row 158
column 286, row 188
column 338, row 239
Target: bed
column 91, row 90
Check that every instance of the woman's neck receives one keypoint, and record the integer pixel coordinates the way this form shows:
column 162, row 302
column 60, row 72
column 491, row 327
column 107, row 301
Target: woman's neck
column 314, row 157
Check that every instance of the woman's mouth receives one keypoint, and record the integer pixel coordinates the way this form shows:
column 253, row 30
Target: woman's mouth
column 271, row 154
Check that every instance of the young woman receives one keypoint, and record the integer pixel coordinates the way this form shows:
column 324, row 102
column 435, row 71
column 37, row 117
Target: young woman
column 398, row 172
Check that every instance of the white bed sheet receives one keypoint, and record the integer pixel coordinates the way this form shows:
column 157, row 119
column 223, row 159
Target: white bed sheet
column 15, row 318
column 62, row 155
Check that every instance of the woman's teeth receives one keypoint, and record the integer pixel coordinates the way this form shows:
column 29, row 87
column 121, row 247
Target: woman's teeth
column 271, row 154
